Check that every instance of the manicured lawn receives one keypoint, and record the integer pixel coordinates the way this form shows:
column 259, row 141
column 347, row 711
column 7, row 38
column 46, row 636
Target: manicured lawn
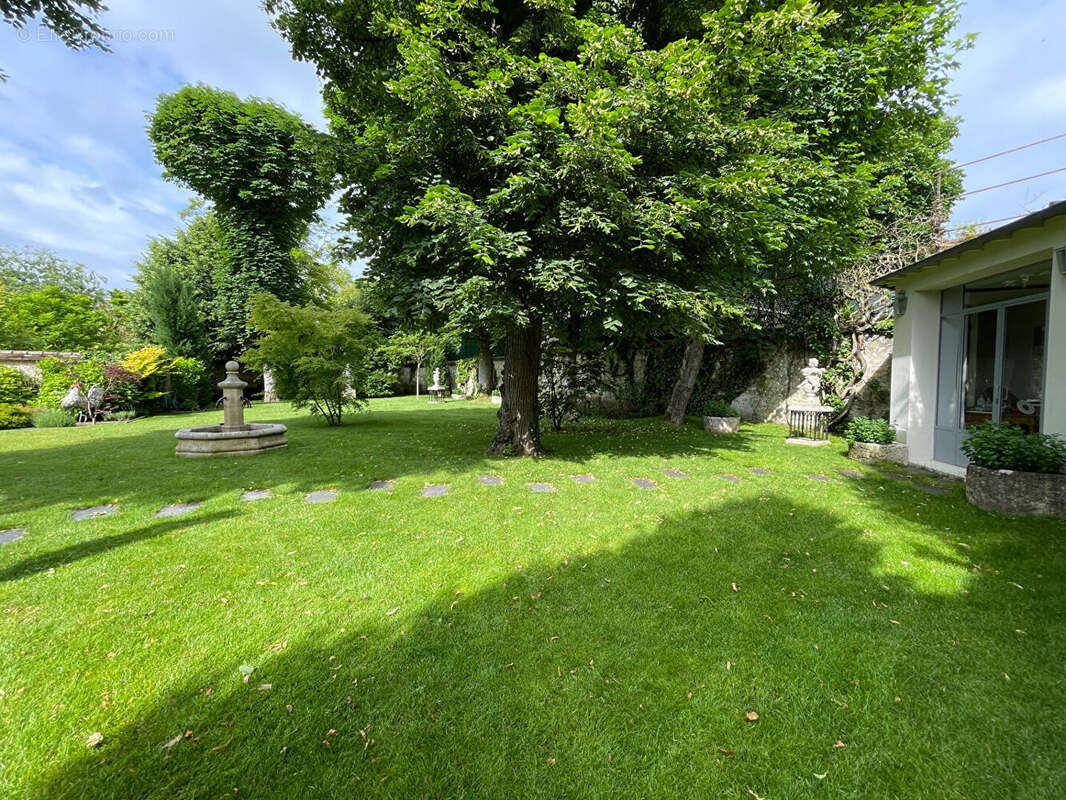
column 597, row 641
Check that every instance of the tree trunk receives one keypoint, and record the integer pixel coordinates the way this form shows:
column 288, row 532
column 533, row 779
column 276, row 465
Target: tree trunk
column 270, row 392
column 686, row 381
column 418, row 375
column 518, row 429
column 486, row 378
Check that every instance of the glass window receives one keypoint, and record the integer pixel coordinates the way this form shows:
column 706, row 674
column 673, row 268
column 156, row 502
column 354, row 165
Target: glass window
column 1023, row 365
column 980, row 379
column 1034, row 279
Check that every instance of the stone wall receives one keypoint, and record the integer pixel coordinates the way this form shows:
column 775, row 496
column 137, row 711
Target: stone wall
column 767, row 397
column 25, row 361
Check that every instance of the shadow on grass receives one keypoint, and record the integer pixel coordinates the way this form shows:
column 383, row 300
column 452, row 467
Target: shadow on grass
column 91, row 547
column 139, row 465
column 628, row 673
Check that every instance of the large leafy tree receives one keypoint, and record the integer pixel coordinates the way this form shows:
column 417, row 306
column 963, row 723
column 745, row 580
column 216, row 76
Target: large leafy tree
column 35, row 268
column 525, row 165
column 265, row 171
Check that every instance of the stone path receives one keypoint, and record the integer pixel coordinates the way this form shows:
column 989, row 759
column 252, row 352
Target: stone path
column 644, row 483
column 490, row 480
column 850, row 473
column 730, row 478
column 582, row 479
column 176, row 510
column 932, row 489
column 11, row 534
column 321, row 496
column 759, row 471
column 435, row 490
column 822, row 478
column 256, row 494
column 94, row 511
column 674, row 473
column 541, row 488
column 382, row 486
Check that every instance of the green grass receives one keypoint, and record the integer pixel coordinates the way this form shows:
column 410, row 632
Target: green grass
column 600, row 641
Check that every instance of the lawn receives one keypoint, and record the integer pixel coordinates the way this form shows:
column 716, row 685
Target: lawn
column 599, row 641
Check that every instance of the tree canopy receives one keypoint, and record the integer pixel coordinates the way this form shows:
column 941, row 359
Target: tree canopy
column 73, row 21
column 265, row 171
column 522, row 165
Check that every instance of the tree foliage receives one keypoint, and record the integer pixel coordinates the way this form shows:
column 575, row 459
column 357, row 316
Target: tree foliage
column 519, row 165
column 266, row 173
column 318, row 355
column 175, row 318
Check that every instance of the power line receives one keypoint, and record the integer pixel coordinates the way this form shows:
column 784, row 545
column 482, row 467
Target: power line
column 1007, row 152
column 985, row 222
column 1011, row 183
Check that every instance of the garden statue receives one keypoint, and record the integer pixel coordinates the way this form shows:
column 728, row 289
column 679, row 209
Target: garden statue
column 808, row 420
column 436, row 390
column 811, row 385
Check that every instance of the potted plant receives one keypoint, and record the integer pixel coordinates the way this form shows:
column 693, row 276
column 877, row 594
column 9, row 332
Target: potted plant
column 720, row 417
column 1015, row 472
column 873, row 440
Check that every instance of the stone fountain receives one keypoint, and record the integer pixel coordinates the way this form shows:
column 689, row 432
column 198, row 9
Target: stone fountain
column 233, row 437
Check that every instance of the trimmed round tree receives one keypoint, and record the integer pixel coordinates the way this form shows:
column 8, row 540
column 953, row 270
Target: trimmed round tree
column 267, row 173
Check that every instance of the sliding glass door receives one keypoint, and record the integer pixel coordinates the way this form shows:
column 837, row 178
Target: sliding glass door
column 993, row 340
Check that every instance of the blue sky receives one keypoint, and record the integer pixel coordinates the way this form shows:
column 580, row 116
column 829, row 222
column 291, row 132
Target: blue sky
column 77, row 173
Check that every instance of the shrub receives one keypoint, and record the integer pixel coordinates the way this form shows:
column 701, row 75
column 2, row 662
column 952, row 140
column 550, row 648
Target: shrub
column 717, row 407
column 568, row 383
column 13, row 415
column 872, row 431
column 380, row 383
column 52, row 418
column 58, row 376
column 1004, row 446
column 15, row 387
column 318, row 355
column 119, row 416
column 188, row 380
column 122, row 388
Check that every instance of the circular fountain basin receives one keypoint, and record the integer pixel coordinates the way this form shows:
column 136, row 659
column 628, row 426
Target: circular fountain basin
column 211, row 441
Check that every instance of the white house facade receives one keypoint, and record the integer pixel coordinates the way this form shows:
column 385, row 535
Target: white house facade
column 980, row 335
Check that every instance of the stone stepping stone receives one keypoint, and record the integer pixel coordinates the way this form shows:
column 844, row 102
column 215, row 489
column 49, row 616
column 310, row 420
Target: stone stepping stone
column 759, row 471
column 933, row 489
column 321, row 496
column 381, row 486
column 582, row 479
column 435, row 490
column 644, row 483
column 822, row 478
column 176, row 510
column 11, row 535
column 541, row 488
column 490, row 480
column 730, row 478
column 674, row 473
column 94, row 511
column 256, row 494
column 896, row 476
column 850, row 473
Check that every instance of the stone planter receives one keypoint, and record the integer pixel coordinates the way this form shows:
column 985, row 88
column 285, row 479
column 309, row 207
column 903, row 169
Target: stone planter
column 721, row 424
column 870, row 453
column 1011, row 492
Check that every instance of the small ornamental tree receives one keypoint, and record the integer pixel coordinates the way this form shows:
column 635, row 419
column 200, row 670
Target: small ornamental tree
column 319, row 356
column 267, row 174
column 420, row 348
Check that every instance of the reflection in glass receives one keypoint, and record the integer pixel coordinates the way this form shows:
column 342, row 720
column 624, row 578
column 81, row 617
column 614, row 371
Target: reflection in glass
column 1023, row 365
column 980, row 377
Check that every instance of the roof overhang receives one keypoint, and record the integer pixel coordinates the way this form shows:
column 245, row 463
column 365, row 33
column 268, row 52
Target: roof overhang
column 1033, row 220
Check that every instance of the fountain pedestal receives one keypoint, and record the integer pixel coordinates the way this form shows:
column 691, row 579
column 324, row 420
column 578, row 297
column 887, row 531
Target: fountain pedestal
column 234, row 437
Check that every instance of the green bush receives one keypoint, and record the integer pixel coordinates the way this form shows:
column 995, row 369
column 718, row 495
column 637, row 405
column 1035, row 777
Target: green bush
column 717, row 407
column 1004, row 446
column 13, row 415
column 188, row 380
column 58, row 376
column 380, row 383
column 15, row 387
column 119, row 416
column 52, row 418
column 873, row 431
